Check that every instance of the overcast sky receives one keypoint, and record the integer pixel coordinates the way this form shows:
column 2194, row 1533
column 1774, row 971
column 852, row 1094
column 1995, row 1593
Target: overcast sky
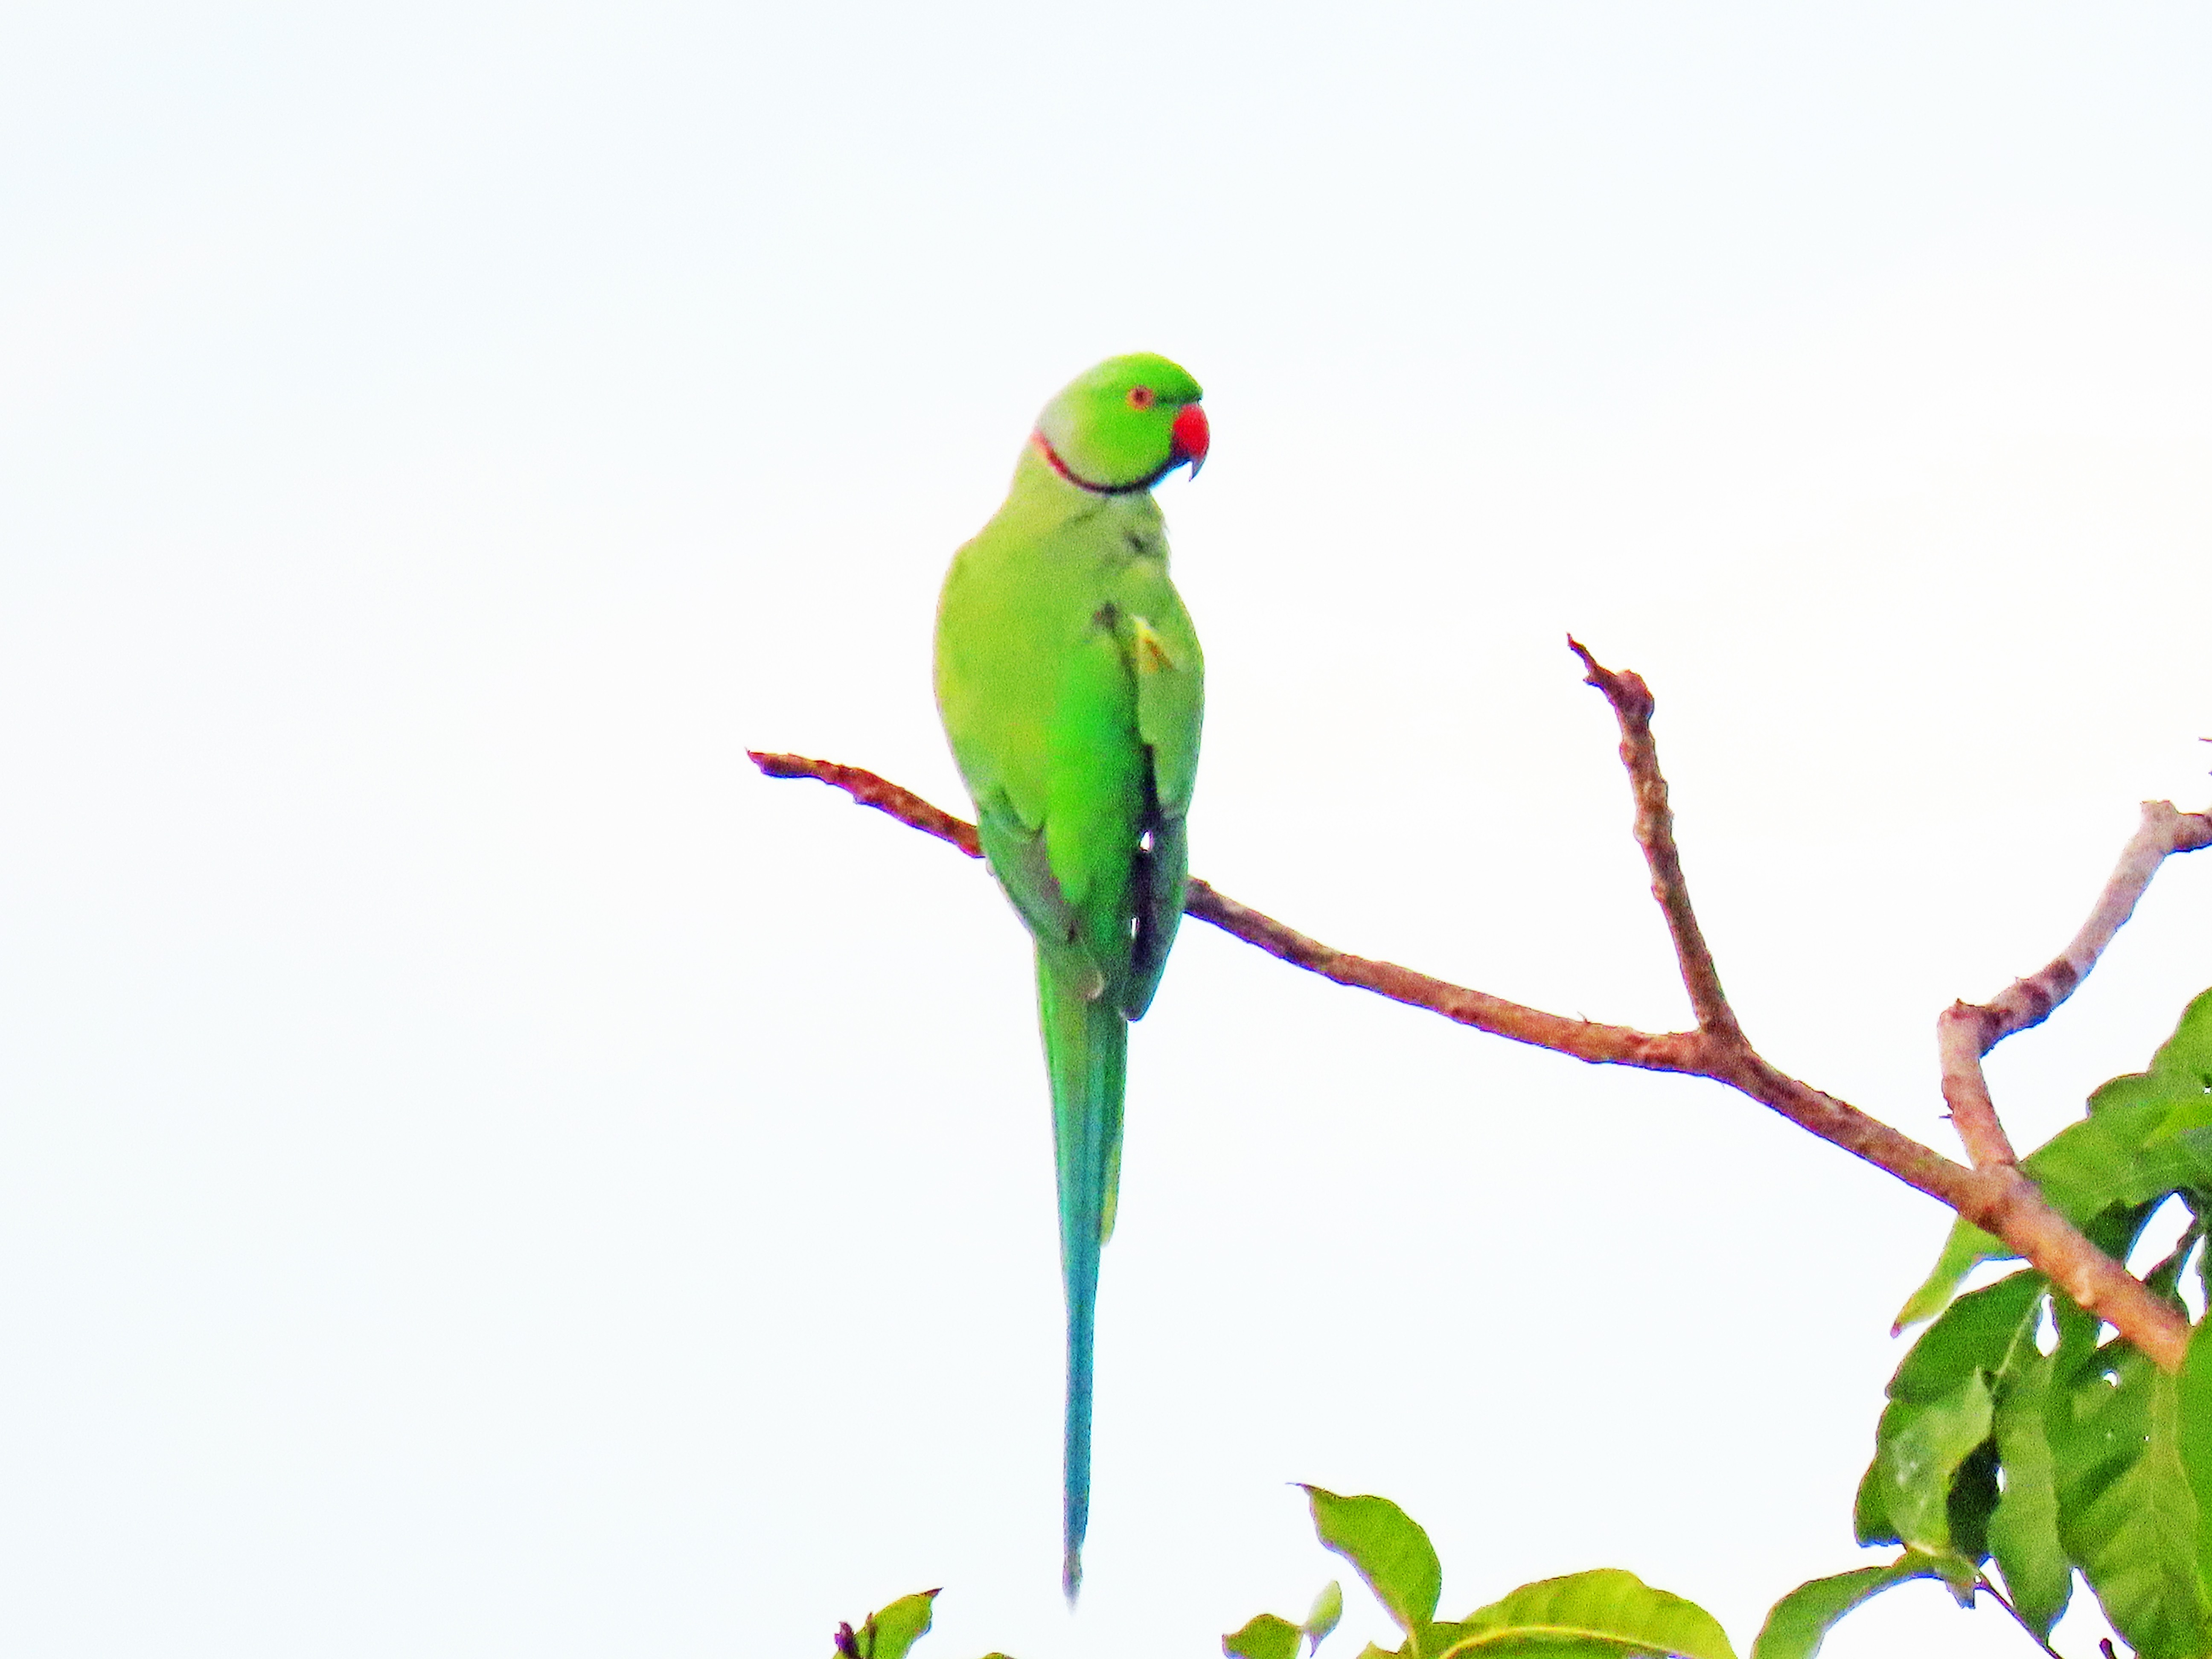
column 481, row 1173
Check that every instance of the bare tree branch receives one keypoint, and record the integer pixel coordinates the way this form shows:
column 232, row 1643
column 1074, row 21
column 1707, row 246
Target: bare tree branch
column 1965, row 1031
column 1995, row 1195
column 866, row 789
column 1585, row 1040
column 1633, row 706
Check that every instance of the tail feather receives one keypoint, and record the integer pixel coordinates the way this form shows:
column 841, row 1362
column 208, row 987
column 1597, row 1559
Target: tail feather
column 1086, row 1044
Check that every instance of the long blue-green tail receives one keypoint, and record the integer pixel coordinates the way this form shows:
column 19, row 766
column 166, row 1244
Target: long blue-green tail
column 1086, row 1047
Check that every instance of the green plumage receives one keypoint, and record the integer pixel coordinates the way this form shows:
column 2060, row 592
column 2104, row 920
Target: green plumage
column 1071, row 685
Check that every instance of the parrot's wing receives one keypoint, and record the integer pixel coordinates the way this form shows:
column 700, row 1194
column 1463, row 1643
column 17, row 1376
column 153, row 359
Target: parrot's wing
column 1170, row 674
column 1017, row 856
column 1170, row 677
column 1162, row 871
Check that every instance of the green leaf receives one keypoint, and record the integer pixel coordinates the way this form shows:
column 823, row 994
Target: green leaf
column 2180, row 1074
column 2126, row 1513
column 1966, row 1249
column 1391, row 1553
column 900, row 1624
column 1797, row 1623
column 1973, row 1338
column 2136, row 1145
column 1604, row 1614
column 1265, row 1637
column 1920, row 1460
column 2194, row 1422
column 2023, row 1533
column 888, row 1632
column 1323, row 1616
column 2113, row 1160
column 1871, row 1507
column 1976, row 1334
column 1919, row 1446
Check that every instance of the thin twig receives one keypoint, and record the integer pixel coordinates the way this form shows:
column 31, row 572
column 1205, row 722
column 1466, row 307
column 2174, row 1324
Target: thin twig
column 1965, row 1031
column 869, row 790
column 1633, row 706
column 1997, row 1198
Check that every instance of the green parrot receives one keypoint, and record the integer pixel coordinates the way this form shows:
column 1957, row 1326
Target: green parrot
column 1071, row 685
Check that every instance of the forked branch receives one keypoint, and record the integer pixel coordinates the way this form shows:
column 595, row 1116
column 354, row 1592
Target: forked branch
column 1965, row 1031
column 1993, row 1194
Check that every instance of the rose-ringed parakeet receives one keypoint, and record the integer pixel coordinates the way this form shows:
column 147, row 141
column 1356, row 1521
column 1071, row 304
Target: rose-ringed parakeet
column 1071, row 685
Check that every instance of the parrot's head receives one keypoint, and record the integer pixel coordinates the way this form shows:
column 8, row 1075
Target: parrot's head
column 1125, row 425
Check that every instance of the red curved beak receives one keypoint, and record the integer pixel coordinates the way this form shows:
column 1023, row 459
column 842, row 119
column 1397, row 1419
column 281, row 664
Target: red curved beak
column 1192, row 438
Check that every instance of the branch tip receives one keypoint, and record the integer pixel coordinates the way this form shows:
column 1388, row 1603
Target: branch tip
column 1625, row 689
column 869, row 789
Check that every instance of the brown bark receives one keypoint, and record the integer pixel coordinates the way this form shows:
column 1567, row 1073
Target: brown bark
column 1994, row 1193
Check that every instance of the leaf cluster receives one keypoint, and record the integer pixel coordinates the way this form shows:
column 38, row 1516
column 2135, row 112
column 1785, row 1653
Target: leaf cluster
column 1603, row 1614
column 2015, row 1437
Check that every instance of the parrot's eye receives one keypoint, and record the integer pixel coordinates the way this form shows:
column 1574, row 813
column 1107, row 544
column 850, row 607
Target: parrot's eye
column 1140, row 397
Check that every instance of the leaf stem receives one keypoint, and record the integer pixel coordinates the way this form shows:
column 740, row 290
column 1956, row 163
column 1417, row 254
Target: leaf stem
column 1998, row 1596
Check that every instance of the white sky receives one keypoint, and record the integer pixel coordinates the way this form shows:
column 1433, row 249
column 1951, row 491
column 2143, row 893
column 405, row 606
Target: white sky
column 482, row 1173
